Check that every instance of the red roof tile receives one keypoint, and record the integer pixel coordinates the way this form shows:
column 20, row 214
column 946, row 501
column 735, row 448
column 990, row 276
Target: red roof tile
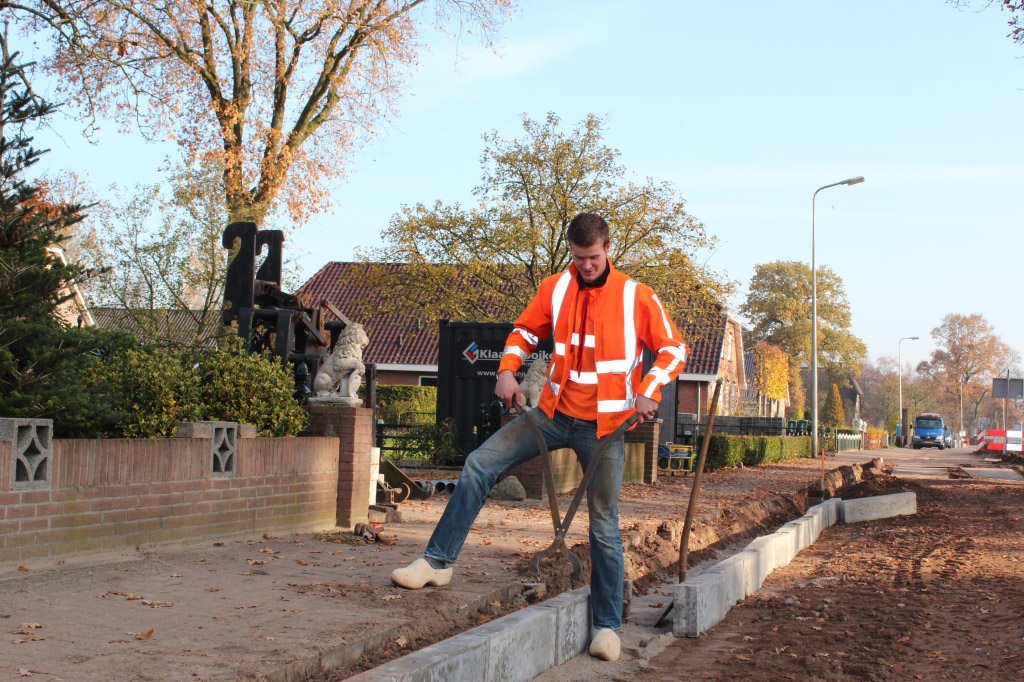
column 705, row 340
column 394, row 339
column 409, row 340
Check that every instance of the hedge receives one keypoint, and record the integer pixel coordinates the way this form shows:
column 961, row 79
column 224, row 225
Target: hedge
column 144, row 392
column 406, row 404
column 730, row 451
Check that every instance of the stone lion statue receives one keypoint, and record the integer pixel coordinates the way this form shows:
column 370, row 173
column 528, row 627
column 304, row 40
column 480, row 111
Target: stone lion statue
column 342, row 372
column 533, row 382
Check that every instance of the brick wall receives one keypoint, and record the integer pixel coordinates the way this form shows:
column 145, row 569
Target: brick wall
column 115, row 493
column 647, row 435
column 686, row 397
column 353, row 427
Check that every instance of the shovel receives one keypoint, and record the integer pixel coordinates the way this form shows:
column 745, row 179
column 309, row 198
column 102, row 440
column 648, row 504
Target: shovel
column 561, row 525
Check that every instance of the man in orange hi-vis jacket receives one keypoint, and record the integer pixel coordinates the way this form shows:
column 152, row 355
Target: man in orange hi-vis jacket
column 599, row 318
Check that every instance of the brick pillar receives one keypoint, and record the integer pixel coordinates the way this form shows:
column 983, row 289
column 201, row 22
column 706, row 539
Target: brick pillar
column 353, row 427
column 648, row 434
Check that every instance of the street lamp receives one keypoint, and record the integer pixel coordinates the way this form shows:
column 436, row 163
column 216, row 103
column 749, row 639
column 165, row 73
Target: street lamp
column 960, row 433
column 814, row 318
column 899, row 368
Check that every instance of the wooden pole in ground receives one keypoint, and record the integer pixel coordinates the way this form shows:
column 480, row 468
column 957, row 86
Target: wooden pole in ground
column 684, row 544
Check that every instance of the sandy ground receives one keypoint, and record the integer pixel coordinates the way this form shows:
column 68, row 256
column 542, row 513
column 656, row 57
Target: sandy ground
column 225, row 608
column 938, row 595
column 230, row 608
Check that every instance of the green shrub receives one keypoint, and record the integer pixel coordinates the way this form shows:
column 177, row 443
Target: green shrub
column 730, row 451
column 41, row 375
column 250, row 388
column 406, row 404
column 433, row 442
column 150, row 390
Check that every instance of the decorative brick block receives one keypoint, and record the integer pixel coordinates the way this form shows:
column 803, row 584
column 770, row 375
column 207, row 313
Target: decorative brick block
column 223, row 443
column 31, row 452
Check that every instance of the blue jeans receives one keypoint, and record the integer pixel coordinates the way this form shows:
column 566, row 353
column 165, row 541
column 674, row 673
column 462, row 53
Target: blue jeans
column 515, row 443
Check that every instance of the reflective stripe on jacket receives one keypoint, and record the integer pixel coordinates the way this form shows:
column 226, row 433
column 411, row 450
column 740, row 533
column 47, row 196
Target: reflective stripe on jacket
column 627, row 315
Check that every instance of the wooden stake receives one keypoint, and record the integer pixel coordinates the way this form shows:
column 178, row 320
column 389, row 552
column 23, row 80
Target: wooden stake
column 684, row 544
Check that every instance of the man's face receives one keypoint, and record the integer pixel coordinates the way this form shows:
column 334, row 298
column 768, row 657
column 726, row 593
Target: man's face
column 590, row 261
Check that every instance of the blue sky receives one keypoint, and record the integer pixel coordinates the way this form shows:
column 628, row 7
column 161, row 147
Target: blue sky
column 747, row 107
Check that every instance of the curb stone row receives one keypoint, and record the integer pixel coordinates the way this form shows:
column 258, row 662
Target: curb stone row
column 522, row 645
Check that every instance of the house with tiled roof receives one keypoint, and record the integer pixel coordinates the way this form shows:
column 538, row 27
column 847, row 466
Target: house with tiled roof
column 404, row 347
column 193, row 328
column 716, row 352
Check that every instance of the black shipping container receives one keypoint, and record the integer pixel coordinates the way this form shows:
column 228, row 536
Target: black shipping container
column 468, row 358
column 467, row 361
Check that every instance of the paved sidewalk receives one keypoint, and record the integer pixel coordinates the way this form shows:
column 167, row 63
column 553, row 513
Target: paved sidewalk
column 221, row 609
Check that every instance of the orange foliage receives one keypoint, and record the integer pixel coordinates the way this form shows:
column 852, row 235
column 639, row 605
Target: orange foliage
column 771, row 370
column 276, row 93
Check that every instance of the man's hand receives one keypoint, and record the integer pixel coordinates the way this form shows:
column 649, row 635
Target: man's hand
column 646, row 408
column 507, row 389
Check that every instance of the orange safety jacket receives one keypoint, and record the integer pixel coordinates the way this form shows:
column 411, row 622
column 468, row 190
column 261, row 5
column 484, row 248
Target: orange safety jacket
column 626, row 314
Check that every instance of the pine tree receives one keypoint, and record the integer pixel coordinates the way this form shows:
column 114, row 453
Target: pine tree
column 832, row 412
column 32, row 281
column 40, row 358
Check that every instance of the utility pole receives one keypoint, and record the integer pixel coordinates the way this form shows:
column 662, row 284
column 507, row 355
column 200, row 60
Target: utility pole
column 1006, row 397
column 960, row 433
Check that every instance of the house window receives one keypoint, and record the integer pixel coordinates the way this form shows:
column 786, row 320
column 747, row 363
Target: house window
column 428, row 381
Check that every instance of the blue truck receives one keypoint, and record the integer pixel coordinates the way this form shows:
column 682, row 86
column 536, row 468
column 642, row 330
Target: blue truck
column 929, row 431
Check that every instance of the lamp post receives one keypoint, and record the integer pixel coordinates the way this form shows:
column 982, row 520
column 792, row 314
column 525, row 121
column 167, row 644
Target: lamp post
column 960, row 433
column 899, row 368
column 814, row 319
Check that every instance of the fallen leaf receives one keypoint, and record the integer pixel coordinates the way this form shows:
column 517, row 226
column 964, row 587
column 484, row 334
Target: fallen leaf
column 389, row 597
column 34, row 626
column 256, row 562
column 402, row 642
column 218, row 544
column 213, row 589
column 741, row 657
column 23, row 568
column 157, row 604
column 125, row 570
column 144, row 635
column 24, row 672
column 300, row 562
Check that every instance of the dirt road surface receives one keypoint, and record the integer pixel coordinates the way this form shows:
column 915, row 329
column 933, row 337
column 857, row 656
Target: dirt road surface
column 936, row 596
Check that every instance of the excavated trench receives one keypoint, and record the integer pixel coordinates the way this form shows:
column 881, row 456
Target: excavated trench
column 651, row 552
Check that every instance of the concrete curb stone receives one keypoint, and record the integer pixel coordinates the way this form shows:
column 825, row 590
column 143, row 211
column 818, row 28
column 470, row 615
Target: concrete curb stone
column 879, row 507
column 572, row 622
column 558, row 629
column 704, row 600
column 697, row 605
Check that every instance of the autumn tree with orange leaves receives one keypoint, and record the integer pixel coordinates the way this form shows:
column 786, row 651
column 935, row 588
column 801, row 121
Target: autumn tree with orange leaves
column 275, row 92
